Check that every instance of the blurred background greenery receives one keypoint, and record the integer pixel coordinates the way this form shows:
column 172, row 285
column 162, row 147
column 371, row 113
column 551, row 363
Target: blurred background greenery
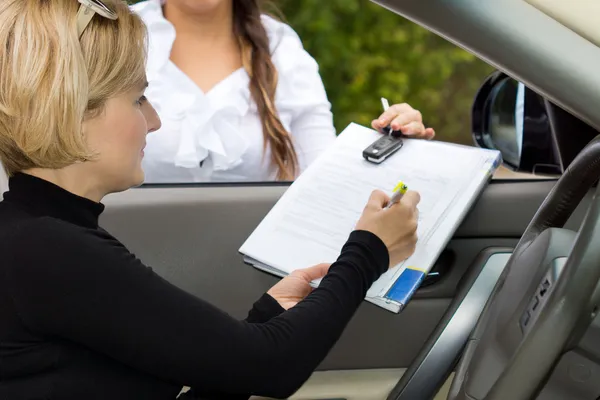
column 366, row 52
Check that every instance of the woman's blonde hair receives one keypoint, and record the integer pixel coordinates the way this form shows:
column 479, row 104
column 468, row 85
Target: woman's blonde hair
column 50, row 80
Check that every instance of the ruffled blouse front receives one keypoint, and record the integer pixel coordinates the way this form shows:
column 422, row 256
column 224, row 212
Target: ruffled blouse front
column 217, row 135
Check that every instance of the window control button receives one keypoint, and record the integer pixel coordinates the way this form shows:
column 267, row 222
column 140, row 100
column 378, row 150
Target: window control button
column 525, row 319
column 546, row 284
column 534, row 303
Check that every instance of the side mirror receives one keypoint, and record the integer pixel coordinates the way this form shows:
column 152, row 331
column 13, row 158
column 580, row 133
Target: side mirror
column 509, row 117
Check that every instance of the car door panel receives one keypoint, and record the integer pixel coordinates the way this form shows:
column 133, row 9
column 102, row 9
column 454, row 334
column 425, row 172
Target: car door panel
column 355, row 385
column 348, row 385
column 191, row 235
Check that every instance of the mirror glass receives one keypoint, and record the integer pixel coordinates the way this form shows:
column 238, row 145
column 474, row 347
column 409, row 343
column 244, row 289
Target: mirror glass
column 509, row 117
column 505, row 130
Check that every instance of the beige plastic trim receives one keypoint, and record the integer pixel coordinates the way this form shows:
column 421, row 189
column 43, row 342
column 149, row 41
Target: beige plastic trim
column 504, row 173
column 581, row 16
column 369, row 384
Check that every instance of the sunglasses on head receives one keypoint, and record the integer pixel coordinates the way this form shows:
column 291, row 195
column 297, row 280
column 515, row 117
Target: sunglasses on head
column 88, row 9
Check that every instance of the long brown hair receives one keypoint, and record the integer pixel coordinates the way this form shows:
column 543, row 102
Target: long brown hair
column 256, row 59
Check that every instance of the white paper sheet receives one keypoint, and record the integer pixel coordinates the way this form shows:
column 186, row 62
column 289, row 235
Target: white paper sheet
column 313, row 219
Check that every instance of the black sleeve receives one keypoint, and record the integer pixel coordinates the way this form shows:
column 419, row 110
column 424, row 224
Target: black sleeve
column 264, row 309
column 94, row 292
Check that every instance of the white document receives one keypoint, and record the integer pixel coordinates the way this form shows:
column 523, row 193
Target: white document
column 313, row 219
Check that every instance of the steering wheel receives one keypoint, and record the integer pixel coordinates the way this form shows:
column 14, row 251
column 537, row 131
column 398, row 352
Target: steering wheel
column 545, row 299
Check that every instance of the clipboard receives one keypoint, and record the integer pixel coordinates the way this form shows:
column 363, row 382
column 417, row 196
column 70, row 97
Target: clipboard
column 312, row 220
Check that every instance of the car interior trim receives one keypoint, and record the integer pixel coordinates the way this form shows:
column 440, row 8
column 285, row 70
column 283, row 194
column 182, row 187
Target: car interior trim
column 442, row 355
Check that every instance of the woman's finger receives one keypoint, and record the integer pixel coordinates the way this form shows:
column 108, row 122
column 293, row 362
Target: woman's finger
column 386, row 118
column 411, row 198
column 315, row 272
column 429, row 134
column 376, row 125
column 406, row 118
column 377, row 200
column 413, row 129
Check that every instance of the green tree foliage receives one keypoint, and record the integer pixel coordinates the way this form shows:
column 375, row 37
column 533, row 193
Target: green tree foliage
column 366, row 52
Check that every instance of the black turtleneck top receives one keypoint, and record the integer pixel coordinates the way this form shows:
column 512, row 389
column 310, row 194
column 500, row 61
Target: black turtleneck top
column 82, row 318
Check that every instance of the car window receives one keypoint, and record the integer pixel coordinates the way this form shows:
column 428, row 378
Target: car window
column 356, row 67
column 358, row 63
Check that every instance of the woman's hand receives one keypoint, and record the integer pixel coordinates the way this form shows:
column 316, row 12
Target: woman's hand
column 295, row 287
column 404, row 118
column 396, row 226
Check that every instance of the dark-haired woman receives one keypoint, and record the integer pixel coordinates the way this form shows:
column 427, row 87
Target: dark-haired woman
column 239, row 97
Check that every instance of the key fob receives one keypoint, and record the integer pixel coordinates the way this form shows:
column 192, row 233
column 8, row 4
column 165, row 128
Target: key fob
column 382, row 148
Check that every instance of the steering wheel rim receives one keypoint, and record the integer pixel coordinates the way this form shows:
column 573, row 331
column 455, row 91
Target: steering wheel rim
column 496, row 366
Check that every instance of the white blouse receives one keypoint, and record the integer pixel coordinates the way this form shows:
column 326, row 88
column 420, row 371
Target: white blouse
column 217, row 136
column 3, row 182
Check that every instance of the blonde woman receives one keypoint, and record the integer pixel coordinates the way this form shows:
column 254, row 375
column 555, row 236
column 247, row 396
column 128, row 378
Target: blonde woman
column 80, row 316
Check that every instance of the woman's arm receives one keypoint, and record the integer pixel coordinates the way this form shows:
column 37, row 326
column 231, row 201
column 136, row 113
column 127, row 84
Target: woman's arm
column 89, row 289
column 264, row 309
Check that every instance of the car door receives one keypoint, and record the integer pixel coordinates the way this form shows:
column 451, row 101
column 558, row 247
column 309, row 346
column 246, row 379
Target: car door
column 190, row 234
